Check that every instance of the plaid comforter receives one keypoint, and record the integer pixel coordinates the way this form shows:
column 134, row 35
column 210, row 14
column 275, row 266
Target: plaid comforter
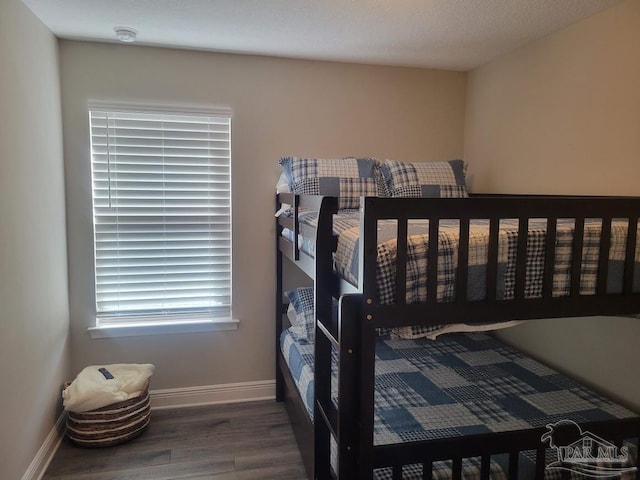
column 347, row 228
column 461, row 384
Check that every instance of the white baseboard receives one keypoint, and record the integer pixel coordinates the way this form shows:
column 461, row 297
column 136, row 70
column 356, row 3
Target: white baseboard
column 43, row 458
column 212, row 394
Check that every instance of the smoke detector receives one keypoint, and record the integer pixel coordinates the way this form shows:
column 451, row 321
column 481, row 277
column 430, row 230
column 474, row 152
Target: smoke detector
column 126, row 34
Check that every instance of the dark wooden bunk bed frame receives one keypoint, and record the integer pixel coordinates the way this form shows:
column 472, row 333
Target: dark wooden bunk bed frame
column 352, row 333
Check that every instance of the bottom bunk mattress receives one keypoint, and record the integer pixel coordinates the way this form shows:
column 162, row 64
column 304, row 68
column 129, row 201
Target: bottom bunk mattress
column 459, row 385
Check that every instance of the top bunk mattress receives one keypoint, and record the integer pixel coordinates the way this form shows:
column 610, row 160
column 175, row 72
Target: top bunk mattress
column 346, row 225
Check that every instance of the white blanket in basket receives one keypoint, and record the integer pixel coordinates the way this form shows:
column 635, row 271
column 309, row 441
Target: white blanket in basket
column 93, row 389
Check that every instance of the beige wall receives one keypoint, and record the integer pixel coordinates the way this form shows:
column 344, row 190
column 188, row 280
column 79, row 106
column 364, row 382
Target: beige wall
column 34, row 318
column 559, row 116
column 563, row 116
column 280, row 107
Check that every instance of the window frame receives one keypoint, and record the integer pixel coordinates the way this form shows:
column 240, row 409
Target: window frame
column 152, row 324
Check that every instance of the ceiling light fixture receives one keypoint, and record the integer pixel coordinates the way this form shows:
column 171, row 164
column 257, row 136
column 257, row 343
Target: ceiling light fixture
column 126, row 34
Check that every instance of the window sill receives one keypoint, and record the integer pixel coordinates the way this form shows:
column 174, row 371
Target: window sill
column 163, row 328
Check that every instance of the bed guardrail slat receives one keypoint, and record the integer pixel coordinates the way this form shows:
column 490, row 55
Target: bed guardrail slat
column 456, row 468
column 485, row 467
column 540, row 463
column 492, row 259
column 549, row 257
column 322, row 393
column 513, row 465
column 630, row 254
column 401, row 262
column 397, row 472
column 463, row 261
column 432, row 261
column 321, row 449
column 521, row 258
column 576, row 256
column 638, row 458
column 603, row 257
column 427, row 469
column 368, row 249
column 296, row 228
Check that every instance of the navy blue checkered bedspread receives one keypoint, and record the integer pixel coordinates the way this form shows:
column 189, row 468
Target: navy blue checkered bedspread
column 458, row 385
column 347, row 227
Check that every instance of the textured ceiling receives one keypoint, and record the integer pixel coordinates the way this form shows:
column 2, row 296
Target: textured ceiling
column 449, row 34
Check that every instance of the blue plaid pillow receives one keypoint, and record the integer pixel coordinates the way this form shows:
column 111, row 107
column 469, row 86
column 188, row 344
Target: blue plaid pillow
column 425, row 179
column 303, row 328
column 345, row 178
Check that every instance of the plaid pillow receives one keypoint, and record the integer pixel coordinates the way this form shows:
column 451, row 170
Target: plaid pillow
column 433, row 331
column 420, row 331
column 346, row 178
column 303, row 328
column 425, row 179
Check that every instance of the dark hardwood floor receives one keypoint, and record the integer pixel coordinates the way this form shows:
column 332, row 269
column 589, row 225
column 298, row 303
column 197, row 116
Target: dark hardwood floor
column 242, row 441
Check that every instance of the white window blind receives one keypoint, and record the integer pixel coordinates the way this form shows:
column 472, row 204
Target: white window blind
column 162, row 215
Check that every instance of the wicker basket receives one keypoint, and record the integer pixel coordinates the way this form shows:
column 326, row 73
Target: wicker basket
column 111, row 425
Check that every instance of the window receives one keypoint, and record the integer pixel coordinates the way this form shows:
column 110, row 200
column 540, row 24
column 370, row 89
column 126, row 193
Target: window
column 161, row 215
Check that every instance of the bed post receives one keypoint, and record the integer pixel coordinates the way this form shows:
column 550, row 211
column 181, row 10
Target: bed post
column 278, row 307
column 368, row 252
column 350, row 313
column 323, row 278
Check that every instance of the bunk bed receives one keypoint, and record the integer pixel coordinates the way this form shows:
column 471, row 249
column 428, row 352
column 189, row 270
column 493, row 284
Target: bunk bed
column 338, row 425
